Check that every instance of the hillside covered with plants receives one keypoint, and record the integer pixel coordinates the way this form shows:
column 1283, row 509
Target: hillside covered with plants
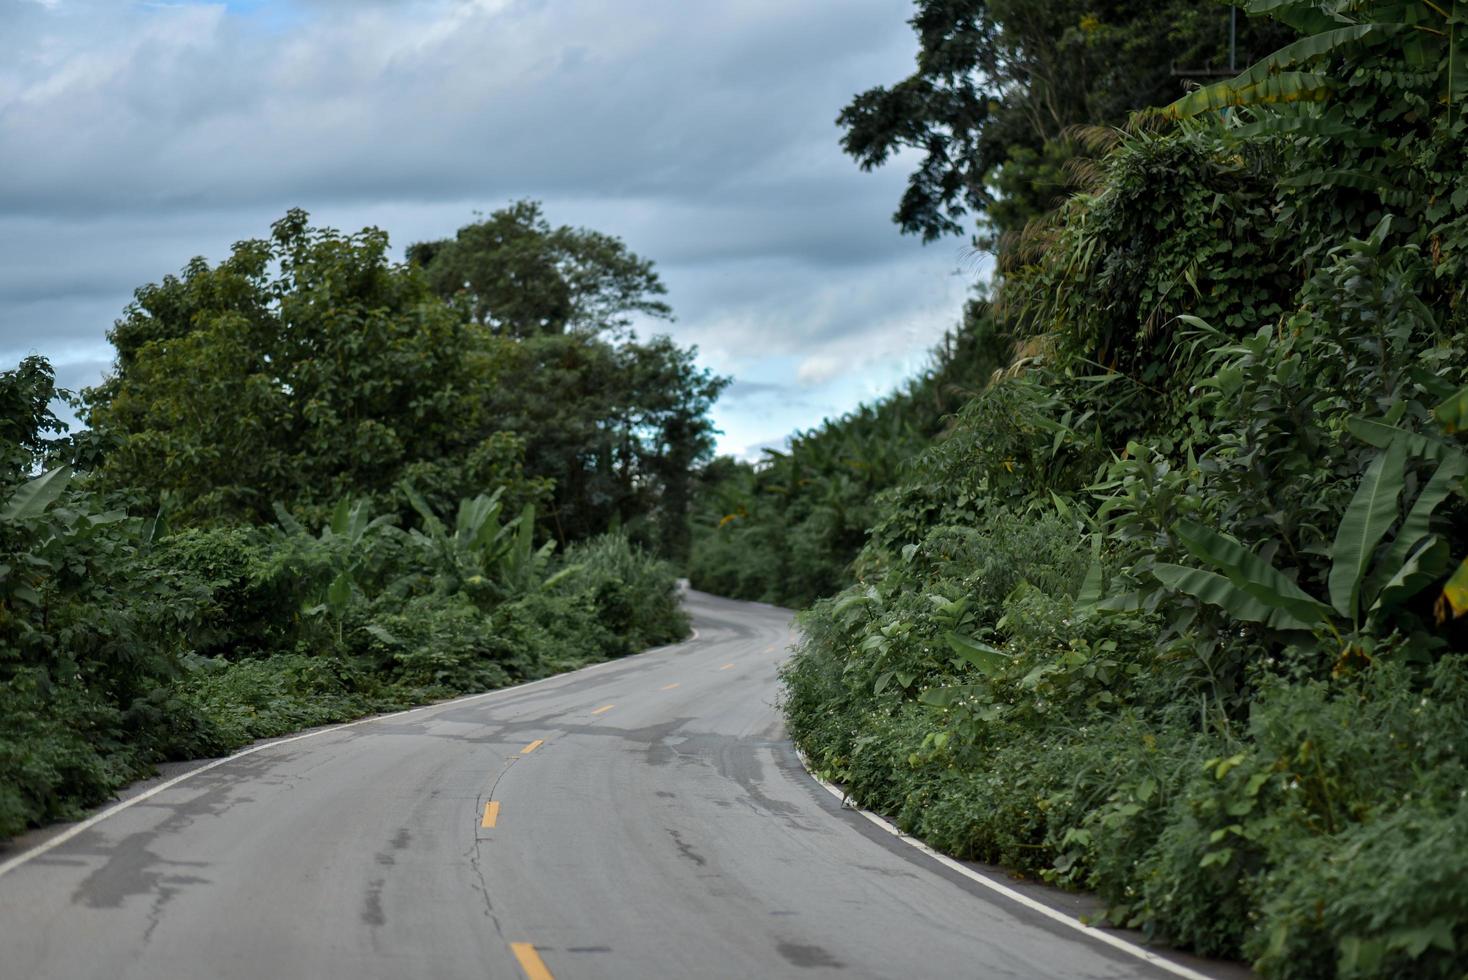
column 319, row 483
column 1169, row 608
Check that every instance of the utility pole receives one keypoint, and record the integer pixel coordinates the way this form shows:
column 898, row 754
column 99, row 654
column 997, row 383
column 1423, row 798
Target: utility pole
column 1233, row 55
column 1233, row 39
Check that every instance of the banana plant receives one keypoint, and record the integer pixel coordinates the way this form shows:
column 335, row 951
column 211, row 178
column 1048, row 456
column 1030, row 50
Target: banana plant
column 1368, row 580
column 32, row 497
column 343, row 542
column 1423, row 31
column 481, row 554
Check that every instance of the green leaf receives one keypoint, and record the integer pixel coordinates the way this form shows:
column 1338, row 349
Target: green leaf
column 381, row 633
column 1121, row 602
column 940, row 697
column 1371, row 512
column 157, row 529
column 1092, row 587
column 1286, row 86
column 1216, row 590
column 526, row 537
column 1305, row 49
column 1304, row 17
column 562, row 575
column 852, row 601
column 1251, row 573
column 1381, row 435
column 282, row 516
column 339, row 593
column 32, row 497
column 1419, row 570
column 944, row 697
column 341, row 517
column 1415, row 940
column 1308, row 124
column 1416, row 527
column 416, row 501
column 1453, row 412
column 988, row 659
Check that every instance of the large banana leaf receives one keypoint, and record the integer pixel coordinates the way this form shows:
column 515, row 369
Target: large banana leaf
column 1298, row 52
column 283, row 517
column 1420, row 569
column 1250, row 573
column 415, row 499
column 1305, row 16
column 477, row 522
column 1286, row 86
column 1307, row 122
column 1216, row 590
column 1415, row 529
column 981, row 655
column 32, row 497
column 1371, row 512
column 525, row 539
column 1381, row 435
column 341, row 517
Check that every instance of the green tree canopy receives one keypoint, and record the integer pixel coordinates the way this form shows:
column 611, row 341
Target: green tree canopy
column 998, row 84
column 308, row 366
column 302, row 368
column 617, row 427
column 520, row 277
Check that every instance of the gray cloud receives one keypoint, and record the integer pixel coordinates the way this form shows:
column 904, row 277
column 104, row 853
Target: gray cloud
column 137, row 136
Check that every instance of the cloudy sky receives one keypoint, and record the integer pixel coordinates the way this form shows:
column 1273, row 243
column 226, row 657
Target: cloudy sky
column 135, row 135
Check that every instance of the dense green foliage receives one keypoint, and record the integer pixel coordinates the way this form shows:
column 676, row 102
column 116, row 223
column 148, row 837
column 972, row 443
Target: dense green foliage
column 313, row 488
column 786, row 530
column 1169, row 609
column 519, row 276
column 308, row 366
column 1000, row 83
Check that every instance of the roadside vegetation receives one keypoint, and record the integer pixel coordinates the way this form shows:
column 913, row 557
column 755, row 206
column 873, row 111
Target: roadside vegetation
column 1167, row 608
column 320, row 484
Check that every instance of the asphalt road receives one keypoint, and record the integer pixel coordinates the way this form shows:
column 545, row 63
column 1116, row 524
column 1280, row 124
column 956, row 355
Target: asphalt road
column 642, row 818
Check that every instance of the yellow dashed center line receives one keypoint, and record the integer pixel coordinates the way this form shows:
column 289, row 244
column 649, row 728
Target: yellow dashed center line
column 605, row 707
column 726, row 667
column 530, row 961
column 669, row 687
column 491, row 813
column 532, row 746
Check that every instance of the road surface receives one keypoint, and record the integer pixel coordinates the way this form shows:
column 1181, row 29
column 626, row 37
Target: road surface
column 641, row 818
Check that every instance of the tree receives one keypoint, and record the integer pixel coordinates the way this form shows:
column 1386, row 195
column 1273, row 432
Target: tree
column 1000, row 82
column 617, row 427
column 29, row 429
column 519, row 276
column 307, row 367
column 300, row 369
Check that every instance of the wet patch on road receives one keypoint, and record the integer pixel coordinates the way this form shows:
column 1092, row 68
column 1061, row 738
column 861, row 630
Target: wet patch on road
column 807, row 956
column 372, row 913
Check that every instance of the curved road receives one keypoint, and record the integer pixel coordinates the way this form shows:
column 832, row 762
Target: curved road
column 640, row 818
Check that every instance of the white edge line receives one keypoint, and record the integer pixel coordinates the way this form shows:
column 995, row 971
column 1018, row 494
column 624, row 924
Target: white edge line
column 98, row 817
column 1130, row 948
